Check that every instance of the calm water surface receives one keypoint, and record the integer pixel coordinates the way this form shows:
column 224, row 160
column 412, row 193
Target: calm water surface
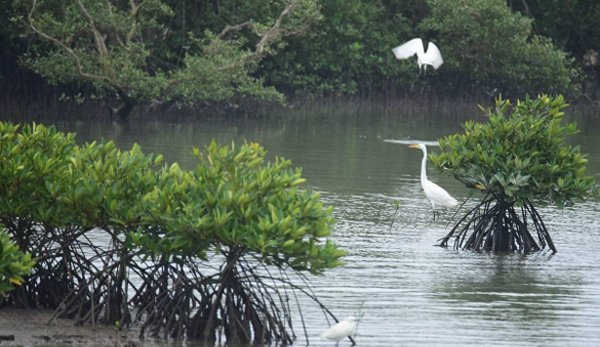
column 409, row 292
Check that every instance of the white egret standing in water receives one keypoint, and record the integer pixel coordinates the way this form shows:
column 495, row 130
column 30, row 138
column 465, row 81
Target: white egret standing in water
column 436, row 194
column 432, row 57
column 342, row 329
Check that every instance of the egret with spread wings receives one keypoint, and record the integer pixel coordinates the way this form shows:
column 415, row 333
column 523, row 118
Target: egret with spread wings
column 432, row 57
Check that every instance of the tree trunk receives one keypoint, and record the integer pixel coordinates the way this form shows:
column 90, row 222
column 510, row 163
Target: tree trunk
column 124, row 109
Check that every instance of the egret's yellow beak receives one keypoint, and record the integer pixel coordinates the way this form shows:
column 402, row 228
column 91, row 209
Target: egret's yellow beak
column 414, row 145
column 479, row 186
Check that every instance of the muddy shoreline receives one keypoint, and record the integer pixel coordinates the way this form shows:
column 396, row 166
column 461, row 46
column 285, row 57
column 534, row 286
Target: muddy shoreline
column 32, row 327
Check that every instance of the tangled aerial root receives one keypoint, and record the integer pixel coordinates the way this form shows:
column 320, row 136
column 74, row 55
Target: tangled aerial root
column 239, row 302
column 236, row 303
column 497, row 225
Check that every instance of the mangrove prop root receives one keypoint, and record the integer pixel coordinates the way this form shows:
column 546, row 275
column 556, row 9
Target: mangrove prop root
column 497, row 225
column 241, row 302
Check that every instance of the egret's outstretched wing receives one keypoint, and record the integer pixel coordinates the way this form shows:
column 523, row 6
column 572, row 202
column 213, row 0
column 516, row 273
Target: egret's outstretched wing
column 408, row 49
column 433, row 55
column 410, row 142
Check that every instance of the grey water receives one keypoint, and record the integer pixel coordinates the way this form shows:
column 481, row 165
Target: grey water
column 407, row 291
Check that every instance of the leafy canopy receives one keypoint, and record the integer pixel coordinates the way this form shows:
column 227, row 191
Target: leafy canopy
column 34, row 173
column 348, row 51
column 521, row 153
column 487, row 45
column 234, row 200
column 193, row 52
column 131, row 49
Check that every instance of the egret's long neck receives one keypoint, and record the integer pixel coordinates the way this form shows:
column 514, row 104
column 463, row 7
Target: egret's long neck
column 423, row 165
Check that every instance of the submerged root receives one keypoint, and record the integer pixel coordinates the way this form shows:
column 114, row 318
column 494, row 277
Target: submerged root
column 494, row 225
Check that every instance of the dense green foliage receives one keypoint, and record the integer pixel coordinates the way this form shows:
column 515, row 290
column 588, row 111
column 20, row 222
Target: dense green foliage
column 348, row 51
column 522, row 152
column 14, row 264
column 234, row 200
column 520, row 156
column 486, row 45
column 116, row 229
column 120, row 48
column 201, row 51
column 572, row 25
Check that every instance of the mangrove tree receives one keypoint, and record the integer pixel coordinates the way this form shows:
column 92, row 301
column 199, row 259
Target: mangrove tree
column 519, row 158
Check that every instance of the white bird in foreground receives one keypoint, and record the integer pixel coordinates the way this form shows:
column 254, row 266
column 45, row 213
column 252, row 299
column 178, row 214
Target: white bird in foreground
column 342, row 329
column 432, row 57
column 436, row 194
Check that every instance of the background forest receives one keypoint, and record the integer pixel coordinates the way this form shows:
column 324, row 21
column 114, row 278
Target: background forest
column 202, row 52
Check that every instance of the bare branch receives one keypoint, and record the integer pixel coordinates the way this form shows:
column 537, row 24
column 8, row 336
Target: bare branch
column 133, row 19
column 230, row 28
column 271, row 35
column 267, row 37
column 109, row 6
column 62, row 45
column 100, row 44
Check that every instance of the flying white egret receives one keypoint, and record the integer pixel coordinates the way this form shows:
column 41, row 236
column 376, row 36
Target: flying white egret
column 432, row 57
column 436, row 194
column 342, row 329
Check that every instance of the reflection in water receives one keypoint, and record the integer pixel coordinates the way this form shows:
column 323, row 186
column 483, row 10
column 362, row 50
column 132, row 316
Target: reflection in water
column 410, row 292
column 507, row 289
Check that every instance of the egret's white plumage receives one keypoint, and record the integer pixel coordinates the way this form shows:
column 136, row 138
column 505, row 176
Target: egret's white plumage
column 436, row 194
column 413, row 142
column 340, row 330
column 432, row 57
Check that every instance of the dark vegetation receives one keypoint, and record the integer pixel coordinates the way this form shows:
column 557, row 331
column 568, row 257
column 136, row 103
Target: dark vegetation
column 213, row 253
column 231, row 52
column 518, row 158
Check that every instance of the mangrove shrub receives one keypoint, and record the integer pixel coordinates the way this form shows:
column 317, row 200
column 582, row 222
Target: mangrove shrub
column 519, row 157
column 119, row 237
column 34, row 175
column 251, row 216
